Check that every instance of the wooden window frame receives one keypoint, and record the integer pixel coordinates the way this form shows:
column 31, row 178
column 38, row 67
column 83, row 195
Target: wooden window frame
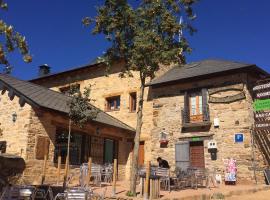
column 197, row 117
column 132, row 102
column 114, row 99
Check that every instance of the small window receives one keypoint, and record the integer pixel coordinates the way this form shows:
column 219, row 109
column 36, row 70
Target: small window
column 113, row 103
column 3, row 146
column 66, row 89
column 132, row 102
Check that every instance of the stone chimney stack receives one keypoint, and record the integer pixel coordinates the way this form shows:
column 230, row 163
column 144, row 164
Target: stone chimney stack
column 44, row 70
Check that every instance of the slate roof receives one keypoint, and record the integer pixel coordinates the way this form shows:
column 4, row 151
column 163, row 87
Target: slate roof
column 201, row 68
column 43, row 97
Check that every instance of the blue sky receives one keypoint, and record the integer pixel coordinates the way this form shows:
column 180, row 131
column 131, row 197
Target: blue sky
column 236, row 30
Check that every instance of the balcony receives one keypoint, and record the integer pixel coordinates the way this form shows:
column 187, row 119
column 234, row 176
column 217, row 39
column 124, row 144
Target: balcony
column 196, row 121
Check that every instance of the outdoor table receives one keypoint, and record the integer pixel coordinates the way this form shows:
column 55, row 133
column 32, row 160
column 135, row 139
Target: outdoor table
column 154, row 186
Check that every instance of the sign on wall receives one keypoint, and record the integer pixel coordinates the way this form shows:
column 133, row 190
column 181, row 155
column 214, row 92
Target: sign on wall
column 261, row 105
column 238, row 137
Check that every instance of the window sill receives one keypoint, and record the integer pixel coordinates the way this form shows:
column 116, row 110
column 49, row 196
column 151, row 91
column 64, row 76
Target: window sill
column 196, row 124
column 133, row 111
column 112, row 110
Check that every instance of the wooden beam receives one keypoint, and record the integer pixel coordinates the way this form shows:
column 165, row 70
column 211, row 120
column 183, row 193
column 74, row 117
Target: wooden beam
column 22, row 101
column 227, row 99
column 11, row 94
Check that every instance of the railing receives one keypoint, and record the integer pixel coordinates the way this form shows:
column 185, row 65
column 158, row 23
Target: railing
column 186, row 119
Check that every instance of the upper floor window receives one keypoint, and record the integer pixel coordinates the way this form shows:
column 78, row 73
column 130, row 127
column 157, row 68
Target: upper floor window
column 195, row 106
column 113, row 103
column 66, row 89
column 132, row 102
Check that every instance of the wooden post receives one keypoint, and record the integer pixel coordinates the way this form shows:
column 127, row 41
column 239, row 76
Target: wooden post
column 66, row 172
column 44, row 169
column 146, row 183
column 58, row 169
column 114, row 177
column 89, row 171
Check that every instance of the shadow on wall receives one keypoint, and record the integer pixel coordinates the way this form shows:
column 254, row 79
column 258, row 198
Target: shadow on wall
column 263, row 142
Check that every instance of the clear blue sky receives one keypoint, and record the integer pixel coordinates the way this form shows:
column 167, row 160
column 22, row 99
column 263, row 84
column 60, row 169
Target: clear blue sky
column 228, row 29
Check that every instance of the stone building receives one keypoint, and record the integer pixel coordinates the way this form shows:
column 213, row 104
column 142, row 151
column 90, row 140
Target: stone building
column 204, row 103
column 185, row 108
column 34, row 123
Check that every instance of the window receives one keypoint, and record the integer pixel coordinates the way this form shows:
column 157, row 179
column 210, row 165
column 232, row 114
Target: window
column 195, row 104
column 132, row 102
column 113, row 103
column 3, row 146
column 61, row 143
column 66, row 89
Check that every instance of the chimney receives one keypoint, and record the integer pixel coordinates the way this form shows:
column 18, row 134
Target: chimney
column 44, row 70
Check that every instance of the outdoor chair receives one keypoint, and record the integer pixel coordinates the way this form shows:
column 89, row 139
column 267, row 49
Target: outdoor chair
column 107, row 173
column 200, row 177
column 96, row 174
column 164, row 175
column 19, row 192
column 76, row 193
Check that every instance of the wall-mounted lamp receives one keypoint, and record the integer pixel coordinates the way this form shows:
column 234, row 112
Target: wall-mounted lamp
column 14, row 117
column 97, row 130
column 163, row 139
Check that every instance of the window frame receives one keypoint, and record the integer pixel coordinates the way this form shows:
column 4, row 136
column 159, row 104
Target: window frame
column 198, row 116
column 114, row 99
column 133, row 102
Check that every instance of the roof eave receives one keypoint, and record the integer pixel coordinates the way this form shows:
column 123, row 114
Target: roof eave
column 171, row 82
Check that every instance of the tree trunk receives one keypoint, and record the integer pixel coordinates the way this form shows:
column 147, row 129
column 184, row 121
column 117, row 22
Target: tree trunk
column 134, row 167
column 67, row 157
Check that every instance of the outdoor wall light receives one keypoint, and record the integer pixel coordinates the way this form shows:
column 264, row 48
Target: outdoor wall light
column 97, row 131
column 163, row 139
column 14, row 117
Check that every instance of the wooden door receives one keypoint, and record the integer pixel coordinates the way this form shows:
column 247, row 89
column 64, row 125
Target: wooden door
column 197, row 154
column 141, row 154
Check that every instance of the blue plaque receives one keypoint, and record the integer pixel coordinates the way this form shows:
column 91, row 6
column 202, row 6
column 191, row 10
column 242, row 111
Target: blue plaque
column 238, row 137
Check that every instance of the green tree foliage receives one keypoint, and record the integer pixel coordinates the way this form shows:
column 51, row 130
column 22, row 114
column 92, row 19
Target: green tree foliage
column 145, row 37
column 80, row 109
column 11, row 40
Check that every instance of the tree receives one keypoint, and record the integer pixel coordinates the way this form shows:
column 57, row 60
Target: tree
column 11, row 40
column 80, row 112
column 144, row 36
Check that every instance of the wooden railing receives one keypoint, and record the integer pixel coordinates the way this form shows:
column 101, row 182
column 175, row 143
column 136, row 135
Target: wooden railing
column 186, row 118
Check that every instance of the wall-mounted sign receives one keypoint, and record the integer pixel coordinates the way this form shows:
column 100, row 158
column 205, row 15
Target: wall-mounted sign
column 261, row 104
column 238, row 137
column 195, row 139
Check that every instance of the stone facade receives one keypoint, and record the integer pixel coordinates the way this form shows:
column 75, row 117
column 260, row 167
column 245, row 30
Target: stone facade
column 234, row 117
column 21, row 137
column 162, row 112
column 107, row 85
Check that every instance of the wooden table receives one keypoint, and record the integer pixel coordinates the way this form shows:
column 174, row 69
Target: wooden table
column 154, row 186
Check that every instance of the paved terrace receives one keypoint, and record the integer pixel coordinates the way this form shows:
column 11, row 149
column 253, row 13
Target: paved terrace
column 230, row 192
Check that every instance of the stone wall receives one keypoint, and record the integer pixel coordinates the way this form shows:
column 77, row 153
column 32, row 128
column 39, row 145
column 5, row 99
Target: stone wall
column 103, row 86
column 31, row 123
column 14, row 132
column 235, row 117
